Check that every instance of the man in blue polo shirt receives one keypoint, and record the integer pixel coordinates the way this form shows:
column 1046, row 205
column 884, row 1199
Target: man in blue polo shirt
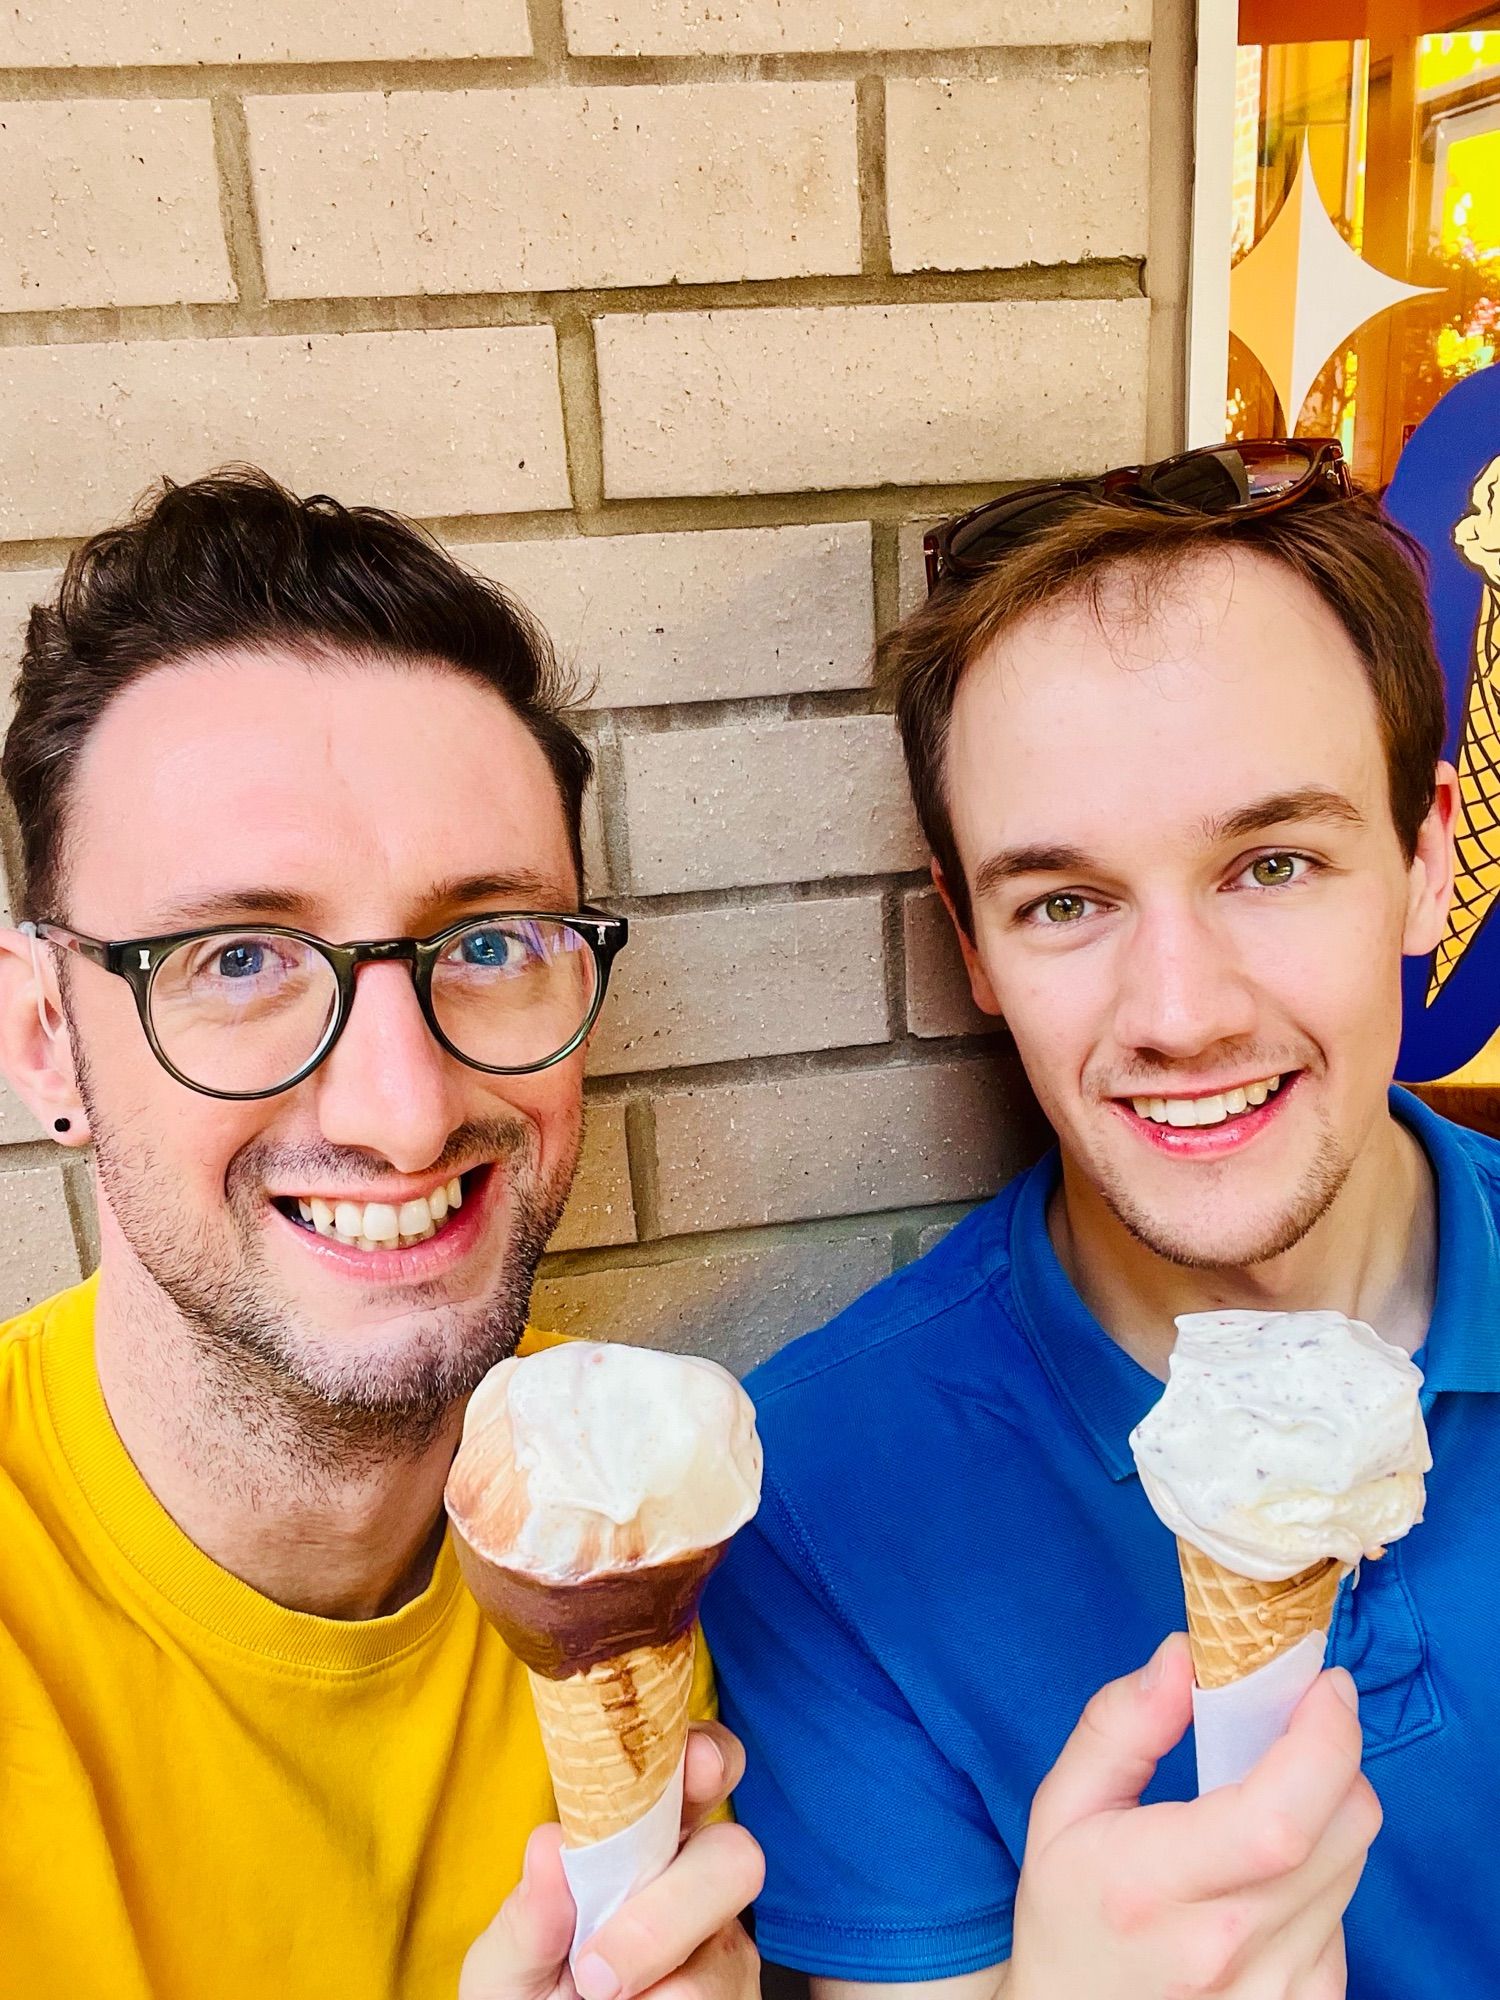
column 1175, row 743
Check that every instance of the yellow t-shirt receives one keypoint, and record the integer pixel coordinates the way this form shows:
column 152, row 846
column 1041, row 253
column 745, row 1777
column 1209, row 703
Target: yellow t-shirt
column 203, row 1795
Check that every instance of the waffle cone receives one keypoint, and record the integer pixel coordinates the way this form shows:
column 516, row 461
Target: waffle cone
column 1476, row 831
column 1236, row 1624
column 613, row 1736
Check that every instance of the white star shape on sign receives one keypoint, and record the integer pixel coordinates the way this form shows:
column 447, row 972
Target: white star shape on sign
column 1301, row 291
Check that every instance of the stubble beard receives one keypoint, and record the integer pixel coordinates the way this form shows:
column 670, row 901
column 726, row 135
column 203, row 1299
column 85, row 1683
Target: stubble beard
column 1218, row 1250
column 334, row 1400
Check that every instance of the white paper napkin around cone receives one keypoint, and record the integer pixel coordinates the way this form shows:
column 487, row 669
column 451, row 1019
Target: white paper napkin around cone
column 604, row 1876
column 1235, row 1725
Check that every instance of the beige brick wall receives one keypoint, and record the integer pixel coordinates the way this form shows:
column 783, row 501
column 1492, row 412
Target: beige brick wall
column 681, row 321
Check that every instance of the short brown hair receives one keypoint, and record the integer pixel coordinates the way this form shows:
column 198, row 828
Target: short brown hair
column 233, row 560
column 1367, row 571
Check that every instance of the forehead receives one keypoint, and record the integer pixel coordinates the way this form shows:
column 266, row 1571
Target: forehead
column 1228, row 681
column 355, row 785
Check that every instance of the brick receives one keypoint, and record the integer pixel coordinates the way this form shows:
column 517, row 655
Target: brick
column 373, row 194
column 110, row 205
column 596, row 880
column 930, row 1238
column 19, row 590
column 767, row 802
column 432, row 423
column 737, row 1307
column 720, row 615
column 1050, row 142
column 774, row 401
column 771, row 27
column 16, row 1122
column 601, row 1208
column 911, row 565
column 838, row 1143
column 938, row 999
column 85, row 33
column 718, row 985
column 38, row 1255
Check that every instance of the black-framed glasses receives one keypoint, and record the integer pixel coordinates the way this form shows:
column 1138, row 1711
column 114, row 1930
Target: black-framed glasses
column 250, row 1010
column 1257, row 476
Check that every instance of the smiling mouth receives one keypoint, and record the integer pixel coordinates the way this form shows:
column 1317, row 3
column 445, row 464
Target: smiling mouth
column 380, row 1225
column 1213, row 1108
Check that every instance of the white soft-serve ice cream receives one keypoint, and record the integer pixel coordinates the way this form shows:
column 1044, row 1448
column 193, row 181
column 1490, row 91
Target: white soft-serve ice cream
column 1286, row 1447
column 1285, row 1439
column 596, row 1488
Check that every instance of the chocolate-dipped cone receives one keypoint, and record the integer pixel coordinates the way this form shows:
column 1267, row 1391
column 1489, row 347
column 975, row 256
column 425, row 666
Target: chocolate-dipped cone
column 609, row 1652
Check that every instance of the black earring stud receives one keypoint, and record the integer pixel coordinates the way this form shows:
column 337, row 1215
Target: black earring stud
column 62, row 1124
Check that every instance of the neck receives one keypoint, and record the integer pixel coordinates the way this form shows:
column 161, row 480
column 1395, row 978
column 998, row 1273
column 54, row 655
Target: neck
column 341, row 1534
column 1371, row 1255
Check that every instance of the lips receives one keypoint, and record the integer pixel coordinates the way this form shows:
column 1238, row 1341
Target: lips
column 372, row 1226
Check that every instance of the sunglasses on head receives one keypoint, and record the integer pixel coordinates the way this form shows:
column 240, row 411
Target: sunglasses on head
column 1257, row 476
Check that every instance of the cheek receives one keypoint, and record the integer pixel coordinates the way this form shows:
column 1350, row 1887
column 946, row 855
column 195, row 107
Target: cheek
column 551, row 1103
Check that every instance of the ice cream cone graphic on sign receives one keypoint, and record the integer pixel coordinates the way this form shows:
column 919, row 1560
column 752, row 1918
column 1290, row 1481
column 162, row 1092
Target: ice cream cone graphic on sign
column 1477, row 830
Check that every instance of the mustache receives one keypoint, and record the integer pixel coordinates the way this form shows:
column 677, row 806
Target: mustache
column 480, row 1142
column 1140, row 1078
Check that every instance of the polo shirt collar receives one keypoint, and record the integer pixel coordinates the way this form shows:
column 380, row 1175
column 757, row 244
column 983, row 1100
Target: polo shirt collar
column 1109, row 1393
column 1462, row 1349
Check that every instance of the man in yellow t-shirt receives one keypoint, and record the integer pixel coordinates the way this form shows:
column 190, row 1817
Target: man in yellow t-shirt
column 254, row 1737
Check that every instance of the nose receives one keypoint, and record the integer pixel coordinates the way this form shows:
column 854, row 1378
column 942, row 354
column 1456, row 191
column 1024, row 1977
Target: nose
column 387, row 1087
column 1182, row 989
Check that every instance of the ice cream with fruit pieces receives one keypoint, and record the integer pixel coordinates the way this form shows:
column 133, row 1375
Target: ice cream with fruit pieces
column 1285, row 1448
column 596, row 1488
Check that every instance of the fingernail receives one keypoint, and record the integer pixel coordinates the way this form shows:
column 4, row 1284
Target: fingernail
column 718, row 1757
column 595, row 1979
column 1344, row 1687
column 1154, row 1668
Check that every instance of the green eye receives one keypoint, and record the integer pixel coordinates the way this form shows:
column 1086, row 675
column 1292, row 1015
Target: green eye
column 1271, row 870
column 1063, row 909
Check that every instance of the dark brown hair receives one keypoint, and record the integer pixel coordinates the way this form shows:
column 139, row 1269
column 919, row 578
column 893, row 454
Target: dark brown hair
column 1365, row 569
column 234, row 560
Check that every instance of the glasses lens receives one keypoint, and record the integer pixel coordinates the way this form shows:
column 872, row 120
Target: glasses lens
column 513, row 992
column 242, row 1011
column 986, row 536
column 1216, row 482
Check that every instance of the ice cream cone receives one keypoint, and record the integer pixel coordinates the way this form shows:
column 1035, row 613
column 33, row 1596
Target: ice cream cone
column 613, row 1736
column 1476, row 831
column 1236, row 1624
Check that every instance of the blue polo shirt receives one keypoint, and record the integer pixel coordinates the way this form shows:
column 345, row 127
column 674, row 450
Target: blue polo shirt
column 954, row 1552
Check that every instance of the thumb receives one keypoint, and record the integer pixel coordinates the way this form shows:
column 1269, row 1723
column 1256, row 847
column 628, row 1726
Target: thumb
column 522, row 1954
column 1122, row 1735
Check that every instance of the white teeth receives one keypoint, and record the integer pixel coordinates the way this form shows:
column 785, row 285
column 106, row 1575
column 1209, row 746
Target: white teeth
column 1210, row 1110
column 382, row 1225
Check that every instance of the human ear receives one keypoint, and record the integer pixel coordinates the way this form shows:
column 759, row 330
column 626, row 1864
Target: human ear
column 1430, row 878
column 979, row 979
column 36, row 1049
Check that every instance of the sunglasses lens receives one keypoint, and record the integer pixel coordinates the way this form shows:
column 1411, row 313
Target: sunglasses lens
column 994, row 529
column 1216, row 482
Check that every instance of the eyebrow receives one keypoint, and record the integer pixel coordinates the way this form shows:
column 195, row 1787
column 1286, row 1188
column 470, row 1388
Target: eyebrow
column 1308, row 803
column 236, row 904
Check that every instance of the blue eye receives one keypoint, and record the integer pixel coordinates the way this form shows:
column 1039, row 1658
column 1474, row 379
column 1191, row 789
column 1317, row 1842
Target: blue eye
column 491, row 950
column 242, row 961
